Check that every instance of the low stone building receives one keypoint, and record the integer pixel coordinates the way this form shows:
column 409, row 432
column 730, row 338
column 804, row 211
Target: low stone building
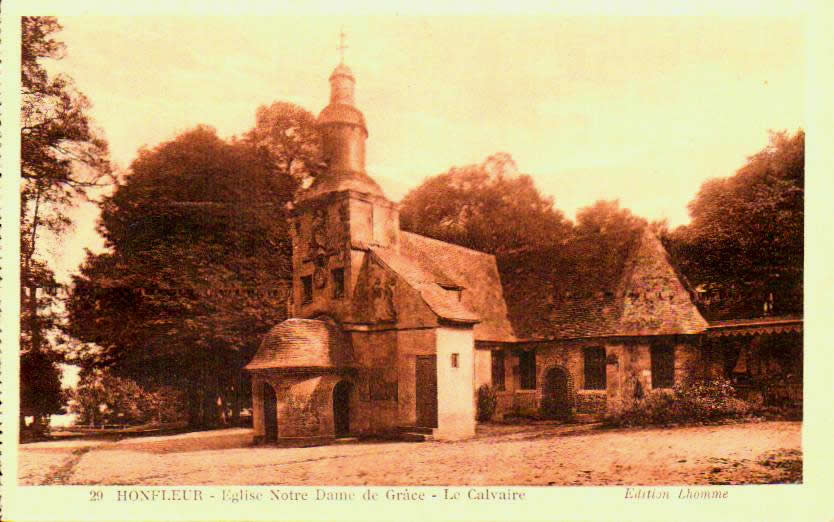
column 598, row 345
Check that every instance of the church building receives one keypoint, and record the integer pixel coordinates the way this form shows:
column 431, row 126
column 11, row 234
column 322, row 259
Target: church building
column 392, row 332
column 383, row 323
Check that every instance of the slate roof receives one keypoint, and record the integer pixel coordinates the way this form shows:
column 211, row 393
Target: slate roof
column 457, row 283
column 302, row 343
column 338, row 181
column 341, row 113
column 637, row 294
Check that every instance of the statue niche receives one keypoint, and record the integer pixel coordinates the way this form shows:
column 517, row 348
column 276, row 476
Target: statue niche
column 319, row 248
column 382, row 299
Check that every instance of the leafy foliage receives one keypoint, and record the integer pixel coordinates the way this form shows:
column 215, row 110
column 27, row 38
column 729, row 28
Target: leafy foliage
column 698, row 401
column 599, row 246
column 487, row 402
column 199, row 255
column 41, row 393
column 486, row 207
column 103, row 398
column 289, row 133
column 745, row 240
column 63, row 156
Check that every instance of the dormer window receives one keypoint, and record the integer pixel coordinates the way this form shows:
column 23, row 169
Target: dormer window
column 456, row 289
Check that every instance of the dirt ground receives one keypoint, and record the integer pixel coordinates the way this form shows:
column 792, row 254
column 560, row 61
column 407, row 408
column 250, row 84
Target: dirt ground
column 751, row 453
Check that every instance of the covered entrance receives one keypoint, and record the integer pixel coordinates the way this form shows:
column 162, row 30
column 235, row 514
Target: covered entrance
column 270, row 413
column 341, row 408
column 426, row 390
column 556, row 396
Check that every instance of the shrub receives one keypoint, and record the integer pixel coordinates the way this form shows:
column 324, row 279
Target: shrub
column 698, row 401
column 103, row 398
column 487, row 401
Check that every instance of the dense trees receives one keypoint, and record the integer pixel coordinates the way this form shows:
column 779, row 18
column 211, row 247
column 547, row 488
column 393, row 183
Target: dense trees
column 744, row 246
column 196, row 269
column 487, row 207
column 62, row 157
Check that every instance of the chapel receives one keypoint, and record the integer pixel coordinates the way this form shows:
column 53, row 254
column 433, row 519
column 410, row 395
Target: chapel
column 383, row 323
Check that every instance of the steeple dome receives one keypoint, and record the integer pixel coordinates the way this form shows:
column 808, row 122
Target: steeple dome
column 343, row 132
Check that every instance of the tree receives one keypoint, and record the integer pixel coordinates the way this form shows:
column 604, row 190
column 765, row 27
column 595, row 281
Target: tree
column 745, row 240
column 600, row 244
column 197, row 264
column 62, row 157
column 289, row 133
column 487, row 207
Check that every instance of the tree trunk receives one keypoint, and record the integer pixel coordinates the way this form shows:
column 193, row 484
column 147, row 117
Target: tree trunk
column 209, row 395
column 236, row 399
column 193, row 402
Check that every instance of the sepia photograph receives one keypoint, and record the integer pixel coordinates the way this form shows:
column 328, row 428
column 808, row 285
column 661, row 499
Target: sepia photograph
column 402, row 250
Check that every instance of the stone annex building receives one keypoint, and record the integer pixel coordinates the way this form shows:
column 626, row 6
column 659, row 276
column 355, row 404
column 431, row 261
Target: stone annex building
column 393, row 331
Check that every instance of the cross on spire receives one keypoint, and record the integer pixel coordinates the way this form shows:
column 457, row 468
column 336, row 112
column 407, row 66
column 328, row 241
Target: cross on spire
column 342, row 46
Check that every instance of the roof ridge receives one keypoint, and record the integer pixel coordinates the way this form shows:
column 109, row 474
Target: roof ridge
column 455, row 245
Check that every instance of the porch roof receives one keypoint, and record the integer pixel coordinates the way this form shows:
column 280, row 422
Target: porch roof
column 755, row 326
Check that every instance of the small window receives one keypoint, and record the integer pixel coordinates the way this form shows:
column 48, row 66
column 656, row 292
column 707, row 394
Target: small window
column 455, row 360
column 594, row 357
column 338, row 283
column 498, row 369
column 663, row 366
column 307, row 289
column 527, row 370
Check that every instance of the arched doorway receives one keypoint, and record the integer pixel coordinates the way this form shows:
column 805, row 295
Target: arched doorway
column 270, row 413
column 556, row 394
column 341, row 408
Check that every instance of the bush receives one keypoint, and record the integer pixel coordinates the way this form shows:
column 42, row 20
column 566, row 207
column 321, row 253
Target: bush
column 698, row 401
column 487, row 401
column 103, row 398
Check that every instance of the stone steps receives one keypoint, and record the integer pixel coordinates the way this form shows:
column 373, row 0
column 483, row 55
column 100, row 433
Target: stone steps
column 415, row 433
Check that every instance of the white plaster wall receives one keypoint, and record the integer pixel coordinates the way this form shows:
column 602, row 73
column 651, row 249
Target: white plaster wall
column 483, row 368
column 455, row 397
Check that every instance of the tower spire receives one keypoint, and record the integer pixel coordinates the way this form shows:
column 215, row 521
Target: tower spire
column 342, row 46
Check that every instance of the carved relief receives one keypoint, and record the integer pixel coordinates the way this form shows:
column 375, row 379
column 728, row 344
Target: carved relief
column 319, row 243
column 319, row 248
column 382, row 298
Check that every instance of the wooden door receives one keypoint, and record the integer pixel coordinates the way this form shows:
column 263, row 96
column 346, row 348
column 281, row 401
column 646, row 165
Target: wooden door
column 426, row 390
column 556, row 403
column 270, row 413
column 341, row 408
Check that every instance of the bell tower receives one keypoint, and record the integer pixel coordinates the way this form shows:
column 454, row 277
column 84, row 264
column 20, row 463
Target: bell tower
column 341, row 214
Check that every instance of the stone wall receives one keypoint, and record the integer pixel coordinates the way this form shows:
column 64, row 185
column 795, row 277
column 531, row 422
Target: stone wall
column 627, row 372
column 304, row 406
column 411, row 343
column 377, row 381
column 257, row 408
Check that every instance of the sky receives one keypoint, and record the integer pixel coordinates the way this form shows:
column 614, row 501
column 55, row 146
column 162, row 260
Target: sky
column 639, row 109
